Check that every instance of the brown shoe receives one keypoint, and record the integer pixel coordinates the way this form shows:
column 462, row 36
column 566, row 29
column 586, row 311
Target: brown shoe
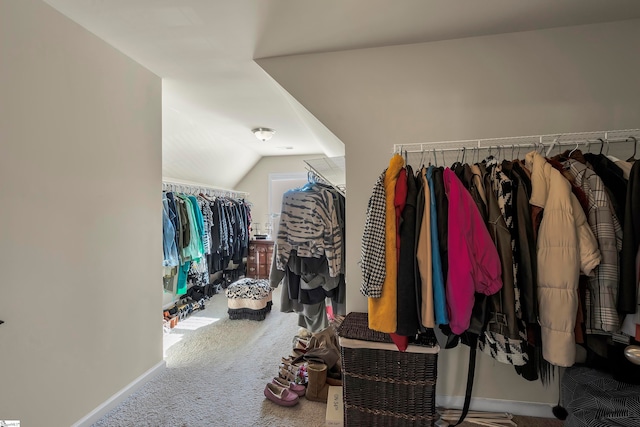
column 317, row 388
column 334, row 381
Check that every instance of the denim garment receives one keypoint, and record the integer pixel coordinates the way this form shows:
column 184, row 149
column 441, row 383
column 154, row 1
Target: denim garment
column 168, row 237
column 173, row 216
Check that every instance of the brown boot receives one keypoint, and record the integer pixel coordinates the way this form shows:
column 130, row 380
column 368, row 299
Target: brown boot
column 334, row 376
column 334, row 381
column 317, row 389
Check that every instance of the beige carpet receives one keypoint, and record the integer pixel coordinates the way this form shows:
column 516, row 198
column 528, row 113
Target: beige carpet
column 216, row 373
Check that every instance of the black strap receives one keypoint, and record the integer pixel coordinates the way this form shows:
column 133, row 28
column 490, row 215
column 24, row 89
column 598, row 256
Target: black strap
column 470, row 375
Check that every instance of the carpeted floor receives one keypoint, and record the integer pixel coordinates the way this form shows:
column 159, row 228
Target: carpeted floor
column 216, row 372
column 216, row 375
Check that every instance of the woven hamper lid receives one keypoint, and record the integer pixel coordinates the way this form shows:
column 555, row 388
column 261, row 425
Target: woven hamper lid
column 356, row 326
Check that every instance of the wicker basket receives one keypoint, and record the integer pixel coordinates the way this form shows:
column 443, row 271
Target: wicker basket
column 383, row 386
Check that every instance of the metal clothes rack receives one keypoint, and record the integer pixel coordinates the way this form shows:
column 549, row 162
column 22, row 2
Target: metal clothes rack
column 313, row 176
column 329, row 170
column 180, row 187
column 600, row 139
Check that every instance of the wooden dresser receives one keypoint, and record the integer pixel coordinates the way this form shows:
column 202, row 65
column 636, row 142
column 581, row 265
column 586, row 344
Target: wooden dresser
column 259, row 259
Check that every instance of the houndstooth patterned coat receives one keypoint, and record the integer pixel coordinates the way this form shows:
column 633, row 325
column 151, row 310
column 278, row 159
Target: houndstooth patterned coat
column 372, row 262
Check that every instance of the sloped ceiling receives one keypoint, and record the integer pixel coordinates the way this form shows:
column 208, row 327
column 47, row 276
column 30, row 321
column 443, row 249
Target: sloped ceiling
column 214, row 92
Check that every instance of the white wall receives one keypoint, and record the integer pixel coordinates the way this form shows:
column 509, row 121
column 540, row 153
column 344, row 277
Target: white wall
column 80, row 209
column 560, row 80
column 256, row 182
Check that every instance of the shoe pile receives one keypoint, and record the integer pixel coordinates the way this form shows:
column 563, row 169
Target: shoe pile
column 179, row 312
column 304, row 373
column 324, row 368
column 171, row 317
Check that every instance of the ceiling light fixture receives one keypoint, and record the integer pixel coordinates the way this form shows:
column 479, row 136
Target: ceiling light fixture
column 263, row 134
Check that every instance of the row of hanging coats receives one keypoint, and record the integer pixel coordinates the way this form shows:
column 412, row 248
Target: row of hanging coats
column 201, row 236
column 549, row 245
column 309, row 254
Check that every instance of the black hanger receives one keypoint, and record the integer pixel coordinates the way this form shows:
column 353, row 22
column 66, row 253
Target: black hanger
column 601, row 144
column 635, row 146
column 457, row 162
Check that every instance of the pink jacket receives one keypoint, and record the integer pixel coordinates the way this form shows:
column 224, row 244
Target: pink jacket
column 474, row 264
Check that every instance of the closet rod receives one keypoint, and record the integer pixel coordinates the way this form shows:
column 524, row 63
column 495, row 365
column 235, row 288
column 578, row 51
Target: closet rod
column 312, row 171
column 550, row 140
column 205, row 189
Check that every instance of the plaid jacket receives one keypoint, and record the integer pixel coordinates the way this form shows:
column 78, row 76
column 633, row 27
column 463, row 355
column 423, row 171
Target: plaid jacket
column 601, row 314
column 373, row 258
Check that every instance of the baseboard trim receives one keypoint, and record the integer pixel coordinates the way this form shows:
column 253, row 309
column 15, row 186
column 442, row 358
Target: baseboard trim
column 529, row 409
column 120, row 396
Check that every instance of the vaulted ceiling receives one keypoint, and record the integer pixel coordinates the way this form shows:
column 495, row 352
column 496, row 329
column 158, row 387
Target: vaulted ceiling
column 214, row 93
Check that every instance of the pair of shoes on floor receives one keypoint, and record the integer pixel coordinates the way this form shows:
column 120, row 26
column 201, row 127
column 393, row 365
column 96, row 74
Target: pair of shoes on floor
column 293, row 372
column 298, row 389
column 279, row 395
column 319, row 382
column 172, row 319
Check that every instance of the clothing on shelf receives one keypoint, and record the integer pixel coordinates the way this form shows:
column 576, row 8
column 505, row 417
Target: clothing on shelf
column 523, row 233
column 308, row 255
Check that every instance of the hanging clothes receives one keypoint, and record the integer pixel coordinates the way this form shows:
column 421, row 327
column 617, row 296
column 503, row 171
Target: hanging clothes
column 504, row 338
column 547, row 220
column 168, row 236
column 382, row 311
column 406, row 304
column 229, row 236
column 628, row 293
column 613, row 178
column 601, row 313
column 566, row 246
column 207, row 221
column 308, row 257
column 196, row 226
column 526, row 274
column 424, row 281
column 474, row 265
column 194, row 249
column 309, row 225
column 442, row 216
column 439, row 226
column 372, row 261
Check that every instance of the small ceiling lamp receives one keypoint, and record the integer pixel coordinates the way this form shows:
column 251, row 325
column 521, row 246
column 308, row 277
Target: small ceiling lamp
column 263, row 134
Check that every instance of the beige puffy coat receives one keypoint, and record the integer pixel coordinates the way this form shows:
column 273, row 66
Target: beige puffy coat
column 565, row 247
